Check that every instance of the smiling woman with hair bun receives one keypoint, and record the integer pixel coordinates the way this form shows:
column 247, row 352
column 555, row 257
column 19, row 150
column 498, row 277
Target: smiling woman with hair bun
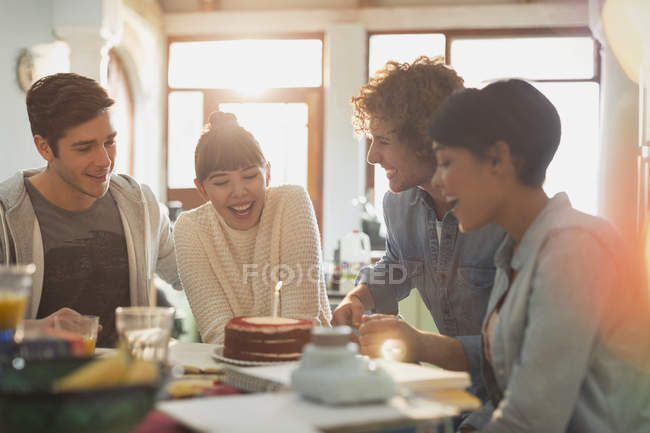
column 232, row 250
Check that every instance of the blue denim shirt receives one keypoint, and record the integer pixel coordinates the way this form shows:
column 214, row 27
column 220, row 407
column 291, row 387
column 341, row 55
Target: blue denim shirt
column 454, row 278
column 571, row 327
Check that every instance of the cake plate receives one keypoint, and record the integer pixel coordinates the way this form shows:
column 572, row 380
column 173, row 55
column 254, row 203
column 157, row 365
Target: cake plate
column 218, row 355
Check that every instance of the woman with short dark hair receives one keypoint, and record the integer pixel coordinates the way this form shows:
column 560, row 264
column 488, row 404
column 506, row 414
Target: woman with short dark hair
column 565, row 338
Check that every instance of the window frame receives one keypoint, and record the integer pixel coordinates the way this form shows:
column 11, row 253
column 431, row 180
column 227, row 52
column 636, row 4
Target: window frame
column 451, row 35
column 212, row 98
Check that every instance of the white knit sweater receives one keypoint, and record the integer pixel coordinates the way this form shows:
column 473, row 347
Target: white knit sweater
column 228, row 273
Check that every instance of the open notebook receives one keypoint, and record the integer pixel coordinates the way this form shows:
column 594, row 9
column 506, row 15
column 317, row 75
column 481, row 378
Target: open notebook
column 413, row 377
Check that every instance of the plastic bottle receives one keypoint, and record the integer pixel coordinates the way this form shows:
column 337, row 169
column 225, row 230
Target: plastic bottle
column 355, row 254
column 355, row 249
column 336, row 280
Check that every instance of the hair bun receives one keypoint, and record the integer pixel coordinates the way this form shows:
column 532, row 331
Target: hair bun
column 219, row 119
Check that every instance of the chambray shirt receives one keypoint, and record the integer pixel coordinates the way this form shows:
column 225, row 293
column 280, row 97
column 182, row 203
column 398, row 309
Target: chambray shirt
column 454, row 277
column 565, row 326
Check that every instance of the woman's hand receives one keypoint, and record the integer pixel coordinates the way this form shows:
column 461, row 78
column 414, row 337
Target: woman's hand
column 377, row 329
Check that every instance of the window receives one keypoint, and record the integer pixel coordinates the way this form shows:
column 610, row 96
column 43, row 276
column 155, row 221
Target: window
column 403, row 48
column 273, row 86
column 281, row 129
column 563, row 67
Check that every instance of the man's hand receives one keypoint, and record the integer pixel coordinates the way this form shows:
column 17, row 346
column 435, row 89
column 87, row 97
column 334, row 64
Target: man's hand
column 351, row 309
column 378, row 328
column 349, row 312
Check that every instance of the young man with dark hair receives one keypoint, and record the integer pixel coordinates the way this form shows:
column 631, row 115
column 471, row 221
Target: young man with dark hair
column 453, row 271
column 96, row 237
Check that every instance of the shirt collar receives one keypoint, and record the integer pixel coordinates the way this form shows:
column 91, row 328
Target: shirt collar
column 423, row 197
column 419, row 196
column 538, row 229
column 503, row 255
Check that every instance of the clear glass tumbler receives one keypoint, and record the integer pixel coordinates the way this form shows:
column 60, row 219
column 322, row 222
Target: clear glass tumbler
column 15, row 290
column 145, row 331
column 84, row 326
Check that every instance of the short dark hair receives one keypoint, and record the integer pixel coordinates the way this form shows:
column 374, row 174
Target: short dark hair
column 225, row 145
column 406, row 95
column 61, row 101
column 510, row 110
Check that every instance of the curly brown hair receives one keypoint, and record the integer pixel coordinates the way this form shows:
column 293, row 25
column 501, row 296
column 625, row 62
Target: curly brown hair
column 407, row 95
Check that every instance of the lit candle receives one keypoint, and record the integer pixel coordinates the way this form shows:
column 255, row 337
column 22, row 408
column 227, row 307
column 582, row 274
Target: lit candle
column 276, row 299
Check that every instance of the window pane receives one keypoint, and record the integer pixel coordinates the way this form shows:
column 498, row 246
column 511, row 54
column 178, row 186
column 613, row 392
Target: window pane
column 246, row 64
column 574, row 168
column 403, row 48
column 281, row 130
column 532, row 58
column 184, row 126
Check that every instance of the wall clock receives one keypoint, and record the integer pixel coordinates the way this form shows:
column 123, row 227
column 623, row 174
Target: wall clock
column 25, row 69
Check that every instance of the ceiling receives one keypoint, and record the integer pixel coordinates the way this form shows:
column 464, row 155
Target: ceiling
column 179, row 6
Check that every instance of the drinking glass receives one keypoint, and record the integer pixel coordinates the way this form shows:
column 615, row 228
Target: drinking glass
column 145, row 331
column 84, row 326
column 15, row 290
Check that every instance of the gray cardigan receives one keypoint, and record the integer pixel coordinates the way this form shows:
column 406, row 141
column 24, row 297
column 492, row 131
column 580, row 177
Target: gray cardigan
column 561, row 347
column 146, row 228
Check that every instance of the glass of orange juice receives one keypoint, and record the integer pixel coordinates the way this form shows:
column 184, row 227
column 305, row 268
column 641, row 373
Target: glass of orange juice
column 15, row 290
column 84, row 326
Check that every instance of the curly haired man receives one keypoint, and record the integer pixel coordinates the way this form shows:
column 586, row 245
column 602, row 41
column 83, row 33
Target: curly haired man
column 453, row 271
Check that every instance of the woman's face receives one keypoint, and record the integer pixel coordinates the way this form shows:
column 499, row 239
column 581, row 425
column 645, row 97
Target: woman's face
column 237, row 195
column 470, row 184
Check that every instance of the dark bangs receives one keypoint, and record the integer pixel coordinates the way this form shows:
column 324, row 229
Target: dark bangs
column 227, row 152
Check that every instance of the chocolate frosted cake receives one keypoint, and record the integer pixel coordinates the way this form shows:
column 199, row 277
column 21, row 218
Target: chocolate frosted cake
column 269, row 339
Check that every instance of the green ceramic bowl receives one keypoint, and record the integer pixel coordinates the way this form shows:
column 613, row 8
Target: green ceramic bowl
column 27, row 405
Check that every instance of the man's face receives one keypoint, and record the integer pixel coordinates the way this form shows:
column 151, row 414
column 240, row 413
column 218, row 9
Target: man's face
column 404, row 169
column 86, row 157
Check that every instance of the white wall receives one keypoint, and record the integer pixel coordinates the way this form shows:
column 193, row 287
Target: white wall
column 143, row 47
column 23, row 24
column 344, row 176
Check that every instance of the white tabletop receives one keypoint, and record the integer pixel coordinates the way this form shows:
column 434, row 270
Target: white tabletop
column 288, row 412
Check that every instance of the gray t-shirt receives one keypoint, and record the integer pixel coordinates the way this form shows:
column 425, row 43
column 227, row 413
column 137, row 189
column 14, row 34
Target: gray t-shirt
column 86, row 261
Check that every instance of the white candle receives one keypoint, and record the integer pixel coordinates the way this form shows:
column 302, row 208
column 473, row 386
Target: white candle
column 276, row 298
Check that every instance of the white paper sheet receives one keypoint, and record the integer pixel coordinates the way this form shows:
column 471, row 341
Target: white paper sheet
column 288, row 412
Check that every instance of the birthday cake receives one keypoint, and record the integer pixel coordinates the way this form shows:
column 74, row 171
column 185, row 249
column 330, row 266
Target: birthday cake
column 269, row 339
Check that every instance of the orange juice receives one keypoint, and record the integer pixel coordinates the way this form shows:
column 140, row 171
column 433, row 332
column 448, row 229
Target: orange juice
column 89, row 345
column 12, row 310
